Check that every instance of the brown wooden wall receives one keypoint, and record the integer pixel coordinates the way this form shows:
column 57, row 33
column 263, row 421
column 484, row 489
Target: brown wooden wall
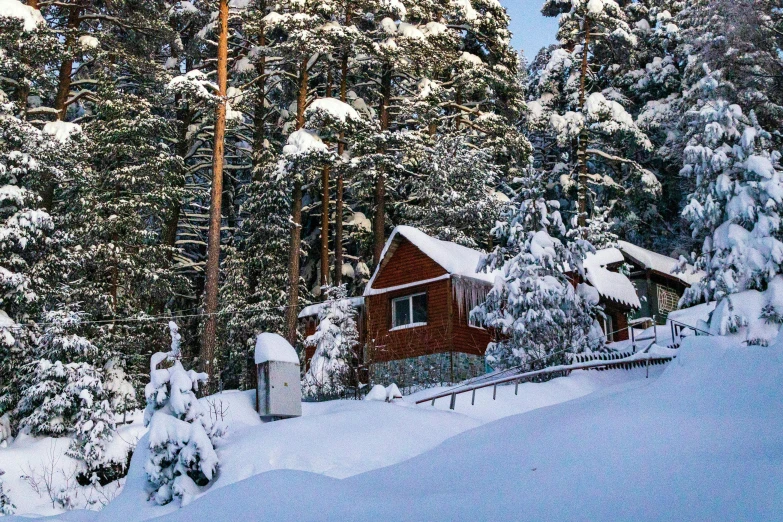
column 434, row 337
column 619, row 321
column 405, row 263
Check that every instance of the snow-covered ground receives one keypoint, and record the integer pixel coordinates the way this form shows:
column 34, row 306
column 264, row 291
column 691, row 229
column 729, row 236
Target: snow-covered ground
column 698, row 440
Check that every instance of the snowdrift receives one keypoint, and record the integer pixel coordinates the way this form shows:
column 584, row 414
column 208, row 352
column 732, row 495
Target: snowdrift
column 701, row 442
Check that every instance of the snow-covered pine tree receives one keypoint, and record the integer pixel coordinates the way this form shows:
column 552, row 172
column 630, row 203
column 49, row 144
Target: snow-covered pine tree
column 63, row 392
column 736, row 208
column 6, row 506
column 27, row 155
column 332, row 370
column 182, row 436
column 534, row 305
column 455, row 198
column 117, row 209
column 596, row 137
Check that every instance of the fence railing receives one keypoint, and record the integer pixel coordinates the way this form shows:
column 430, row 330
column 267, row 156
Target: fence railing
column 678, row 328
column 610, row 360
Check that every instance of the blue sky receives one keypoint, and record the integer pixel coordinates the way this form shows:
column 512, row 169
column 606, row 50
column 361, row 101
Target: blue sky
column 531, row 30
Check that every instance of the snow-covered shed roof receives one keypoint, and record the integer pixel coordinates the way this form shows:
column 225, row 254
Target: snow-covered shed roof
column 455, row 259
column 273, row 347
column 610, row 285
column 659, row 263
column 315, row 308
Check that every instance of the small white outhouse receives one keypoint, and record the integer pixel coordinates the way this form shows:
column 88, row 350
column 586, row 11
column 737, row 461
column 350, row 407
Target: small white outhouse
column 278, row 392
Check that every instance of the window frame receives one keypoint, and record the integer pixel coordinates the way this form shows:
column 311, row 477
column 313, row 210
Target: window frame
column 409, row 298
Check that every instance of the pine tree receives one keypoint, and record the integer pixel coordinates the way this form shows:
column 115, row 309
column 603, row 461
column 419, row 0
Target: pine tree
column 63, row 394
column 117, row 210
column 27, row 155
column 735, row 209
column 533, row 305
column 333, row 368
column 6, row 506
column 596, row 135
column 181, row 434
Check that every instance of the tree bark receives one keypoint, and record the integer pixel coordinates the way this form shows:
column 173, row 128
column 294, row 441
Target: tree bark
column 212, row 272
column 325, row 208
column 259, row 111
column 581, row 152
column 292, row 311
column 63, row 89
column 379, row 224
column 338, row 204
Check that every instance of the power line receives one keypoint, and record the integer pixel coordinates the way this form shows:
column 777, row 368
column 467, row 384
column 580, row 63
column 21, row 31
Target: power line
column 161, row 317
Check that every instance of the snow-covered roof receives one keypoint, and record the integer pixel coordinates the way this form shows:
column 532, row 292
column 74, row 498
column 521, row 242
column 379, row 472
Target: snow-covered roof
column 315, row 308
column 273, row 347
column 610, row 285
column 455, row 259
column 659, row 263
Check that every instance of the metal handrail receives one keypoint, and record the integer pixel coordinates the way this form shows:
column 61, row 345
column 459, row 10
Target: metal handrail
column 677, row 327
column 634, row 358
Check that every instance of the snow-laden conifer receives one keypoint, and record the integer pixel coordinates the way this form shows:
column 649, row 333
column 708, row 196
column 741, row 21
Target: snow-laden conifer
column 182, row 455
column 735, row 210
column 332, row 368
column 534, row 305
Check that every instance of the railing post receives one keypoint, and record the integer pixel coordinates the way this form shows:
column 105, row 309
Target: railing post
column 671, row 323
column 473, row 399
column 453, row 401
column 655, row 329
column 494, row 391
column 433, row 402
column 648, row 368
column 633, row 338
column 516, row 387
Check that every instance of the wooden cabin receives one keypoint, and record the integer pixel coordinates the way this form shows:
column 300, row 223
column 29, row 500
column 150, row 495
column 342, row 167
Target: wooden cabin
column 618, row 294
column 418, row 305
column 414, row 317
column 657, row 284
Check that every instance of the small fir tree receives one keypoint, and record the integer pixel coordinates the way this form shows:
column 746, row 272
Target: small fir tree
column 331, row 371
column 181, row 434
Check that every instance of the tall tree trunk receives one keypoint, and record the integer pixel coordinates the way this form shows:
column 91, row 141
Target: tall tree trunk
column 325, row 207
column 292, row 311
column 63, row 89
column 212, row 272
column 581, row 151
column 171, row 223
column 379, row 224
column 338, row 204
column 259, row 111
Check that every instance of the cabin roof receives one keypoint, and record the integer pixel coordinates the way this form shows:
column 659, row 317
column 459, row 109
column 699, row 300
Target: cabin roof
column 453, row 258
column 609, row 284
column 659, row 263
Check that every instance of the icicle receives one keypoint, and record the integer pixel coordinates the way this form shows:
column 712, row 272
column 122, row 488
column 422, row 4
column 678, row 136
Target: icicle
column 469, row 293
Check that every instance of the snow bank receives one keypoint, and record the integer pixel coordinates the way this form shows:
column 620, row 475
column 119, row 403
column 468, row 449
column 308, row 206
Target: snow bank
column 273, row 347
column 702, row 442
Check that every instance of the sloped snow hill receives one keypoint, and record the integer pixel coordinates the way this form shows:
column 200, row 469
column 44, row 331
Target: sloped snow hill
column 701, row 442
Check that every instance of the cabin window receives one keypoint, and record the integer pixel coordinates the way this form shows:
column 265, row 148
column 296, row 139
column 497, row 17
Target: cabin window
column 409, row 311
column 667, row 300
